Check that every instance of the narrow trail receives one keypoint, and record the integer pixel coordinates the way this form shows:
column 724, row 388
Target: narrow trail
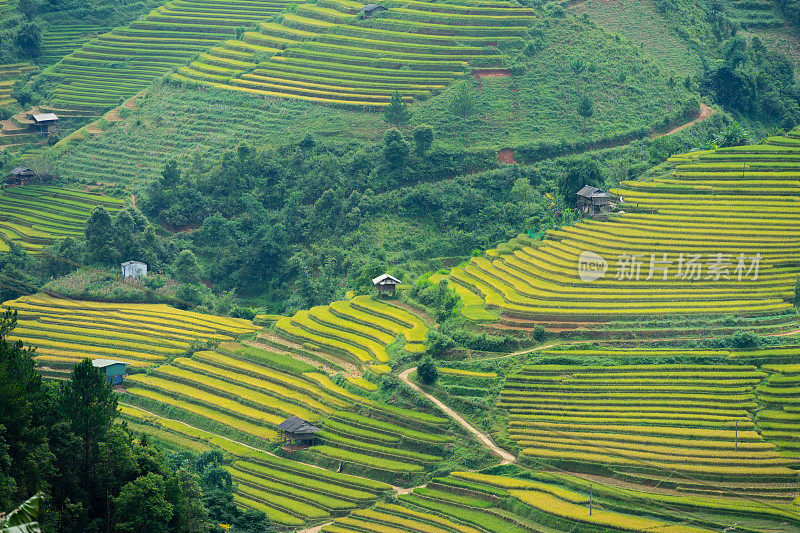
column 505, row 457
column 705, row 112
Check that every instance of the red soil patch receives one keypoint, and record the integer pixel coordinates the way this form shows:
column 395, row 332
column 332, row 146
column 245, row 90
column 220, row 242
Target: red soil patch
column 506, row 156
column 491, row 73
column 133, row 200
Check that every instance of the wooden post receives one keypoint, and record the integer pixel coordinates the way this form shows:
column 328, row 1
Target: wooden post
column 590, row 499
column 736, row 438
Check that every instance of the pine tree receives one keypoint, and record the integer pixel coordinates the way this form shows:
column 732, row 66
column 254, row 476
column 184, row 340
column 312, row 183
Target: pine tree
column 462, row 105
column 397, row 112
column 585, row 110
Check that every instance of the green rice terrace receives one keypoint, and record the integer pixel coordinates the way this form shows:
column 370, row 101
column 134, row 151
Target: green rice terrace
column 35, row 216
column 457, row 266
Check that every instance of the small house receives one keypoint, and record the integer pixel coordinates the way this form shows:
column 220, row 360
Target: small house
column 21, row 176
column 591, row 200
column 386, row 284
column 43, row 121
column 297, row 432
column 134, row 269
column 371, row 10
column 114, row 371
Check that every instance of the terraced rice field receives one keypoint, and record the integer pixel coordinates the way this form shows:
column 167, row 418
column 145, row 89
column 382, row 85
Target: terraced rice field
column 753, row 14
column 689, row 243
column 142, row 335
column 35, row 216
column 62, row 39
column 323, row 52
column 358, row 330
column 779, row 422
column 10, row 73
column 291, row 493
column 689, row 423
column 244, row 393
column 173, row 123
column 116, row 65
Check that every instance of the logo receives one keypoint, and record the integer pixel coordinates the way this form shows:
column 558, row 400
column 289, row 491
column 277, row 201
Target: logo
column 591, row 266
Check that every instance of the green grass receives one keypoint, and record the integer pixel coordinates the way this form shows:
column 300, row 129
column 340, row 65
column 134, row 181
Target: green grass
column 644, row 26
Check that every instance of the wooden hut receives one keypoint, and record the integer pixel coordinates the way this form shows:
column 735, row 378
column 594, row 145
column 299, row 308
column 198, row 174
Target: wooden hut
column 386, row 284
column 296, row 432
column 591, row 200
column 43, row 121
column 114, row 371
column 21, row 176
column 371, row 10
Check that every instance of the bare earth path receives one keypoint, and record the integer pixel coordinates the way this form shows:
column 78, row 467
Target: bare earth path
column 505, row 457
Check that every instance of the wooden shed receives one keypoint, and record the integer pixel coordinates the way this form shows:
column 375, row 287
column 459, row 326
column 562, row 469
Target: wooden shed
column 297, row 432
column 43, row 121
column 591, row 200
column 114, row 371
column 21, row 176
column 386, row 284
column 371, row 10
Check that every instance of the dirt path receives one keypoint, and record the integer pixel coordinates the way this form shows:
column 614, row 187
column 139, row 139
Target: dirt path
column 483, row 438
column 350, row 369
column 133, row 200
column 705, row 112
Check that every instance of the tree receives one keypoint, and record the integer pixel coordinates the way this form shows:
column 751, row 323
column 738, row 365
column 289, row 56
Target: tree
column 190, row 513
column 397, row 113
column 585, row 110
column 142, row 506
column 25, row 458
column 462, row 105
column 29, row 39
column 186, row 268
column 438, row 343
column 427, row 371
column 577, row 66
column 423, row 139
column 99, row 235
column 395, row 149
column 90, row 407
column 732, row 135
column 577, row 173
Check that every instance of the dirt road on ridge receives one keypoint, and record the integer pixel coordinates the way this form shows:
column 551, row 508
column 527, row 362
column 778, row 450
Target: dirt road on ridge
column 504, row 456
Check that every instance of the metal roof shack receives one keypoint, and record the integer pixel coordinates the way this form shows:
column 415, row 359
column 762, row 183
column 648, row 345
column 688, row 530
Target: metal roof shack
column 386, row 284
column 44, row 120
column 372, row 9
column 113, row 371
column 134, row 269
column 297, row 431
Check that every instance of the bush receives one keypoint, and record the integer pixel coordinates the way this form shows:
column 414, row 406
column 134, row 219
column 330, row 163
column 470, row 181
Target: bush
column 243, row 312
column 427, row 371
column 423, row 138
column 539, row 333
column 438, row 343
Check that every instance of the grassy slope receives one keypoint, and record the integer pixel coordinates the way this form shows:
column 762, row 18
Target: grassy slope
column 640, row 22
column 544, row 106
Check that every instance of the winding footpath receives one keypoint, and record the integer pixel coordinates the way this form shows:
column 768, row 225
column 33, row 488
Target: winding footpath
column 483, row 438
